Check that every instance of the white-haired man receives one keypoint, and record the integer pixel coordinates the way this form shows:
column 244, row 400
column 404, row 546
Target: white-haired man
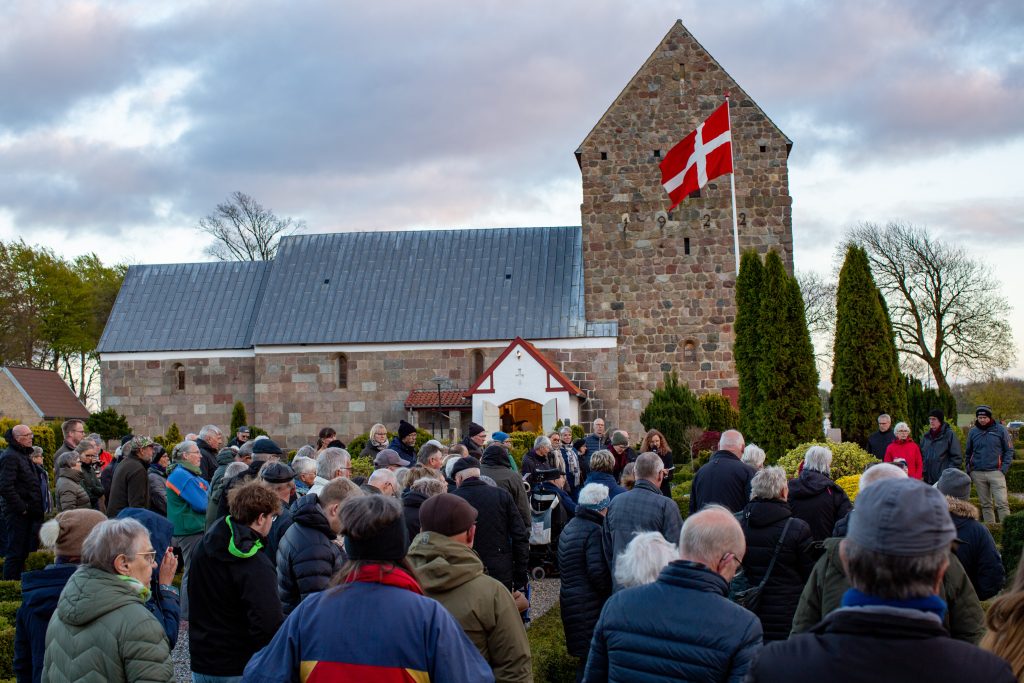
column 641, row 509
column 331, row 463
column 700, row 634
column 725, row 479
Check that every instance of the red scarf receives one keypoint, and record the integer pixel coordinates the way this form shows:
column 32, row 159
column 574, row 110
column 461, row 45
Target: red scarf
column 388, row 575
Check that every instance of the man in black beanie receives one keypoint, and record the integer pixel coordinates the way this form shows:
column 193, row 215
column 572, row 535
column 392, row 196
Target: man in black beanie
column 476, row 436
column 940, row 448
column 405, row 443
column 989, row 455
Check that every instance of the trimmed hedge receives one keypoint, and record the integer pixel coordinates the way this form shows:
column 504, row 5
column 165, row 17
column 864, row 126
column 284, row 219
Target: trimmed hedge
column 847, row 458
column 1015, row 477
column 1013, row 542
column 9, row 610
column 681, row 496
column 10, row 590
column 361, row 467
column 551, row 660
column 7, row 653
column 38, row 560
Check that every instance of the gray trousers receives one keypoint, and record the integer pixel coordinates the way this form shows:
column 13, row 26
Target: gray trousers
column 991, row 487
column 187, row 545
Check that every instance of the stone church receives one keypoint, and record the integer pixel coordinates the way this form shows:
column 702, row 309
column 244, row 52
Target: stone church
column 504, row 326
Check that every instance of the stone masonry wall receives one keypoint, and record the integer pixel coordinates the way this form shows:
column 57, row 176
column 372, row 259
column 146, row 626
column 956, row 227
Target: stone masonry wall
column 670, row 283
column 13, row 403
column 145, row 392
column 293, row 395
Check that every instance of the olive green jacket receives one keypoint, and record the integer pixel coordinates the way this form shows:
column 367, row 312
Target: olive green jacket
column 452, row 573
column 823, row 593
column 101, row 632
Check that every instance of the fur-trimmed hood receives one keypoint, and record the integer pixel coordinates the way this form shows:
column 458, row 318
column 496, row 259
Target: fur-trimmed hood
column 962, row 508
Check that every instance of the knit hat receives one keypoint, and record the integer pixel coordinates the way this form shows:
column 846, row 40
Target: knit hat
column 937, row 413
column 405, row 429
column 74, row 526
column 277, row 473
column 467, row 463
column 620, row 439
column 983, row 410
column 386, row 458
column 446, row 514
column 500, row 437
column 266, row 446
column 955, row 483
column 883, row 510
column 474, row 429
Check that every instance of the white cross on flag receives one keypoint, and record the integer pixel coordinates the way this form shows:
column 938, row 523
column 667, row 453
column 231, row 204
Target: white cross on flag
column 704, row 154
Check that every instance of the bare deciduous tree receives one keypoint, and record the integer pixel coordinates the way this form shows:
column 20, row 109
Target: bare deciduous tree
column 819, row 296
column 945, row 307
column 243, row 230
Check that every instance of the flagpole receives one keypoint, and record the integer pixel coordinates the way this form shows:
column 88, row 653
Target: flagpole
column 732, row 184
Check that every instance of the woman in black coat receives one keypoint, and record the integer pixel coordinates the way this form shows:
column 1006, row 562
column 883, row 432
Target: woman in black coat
column 814, row 497
column 586, row 577
column 763, row 521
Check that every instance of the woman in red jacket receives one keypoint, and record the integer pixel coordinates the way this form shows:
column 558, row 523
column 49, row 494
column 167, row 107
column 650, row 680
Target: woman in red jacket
column 904, row 447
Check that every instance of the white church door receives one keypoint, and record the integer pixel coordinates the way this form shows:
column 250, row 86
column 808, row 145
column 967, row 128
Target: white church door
column 492, row 421
column 550, row 415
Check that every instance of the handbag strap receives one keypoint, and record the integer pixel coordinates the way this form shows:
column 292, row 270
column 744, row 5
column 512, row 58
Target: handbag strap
column 775, row 555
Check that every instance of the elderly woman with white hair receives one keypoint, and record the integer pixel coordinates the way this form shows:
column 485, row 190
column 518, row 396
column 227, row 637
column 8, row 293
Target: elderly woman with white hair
column 753, row 456
column 906, row 449
column 643, row 559
column 586, row 577
column 101, row 629
column 779, row 546
column 814, row 497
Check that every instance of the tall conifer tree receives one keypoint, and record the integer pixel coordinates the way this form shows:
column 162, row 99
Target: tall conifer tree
column 865, row 372
column 745, row 349
column 789, row 410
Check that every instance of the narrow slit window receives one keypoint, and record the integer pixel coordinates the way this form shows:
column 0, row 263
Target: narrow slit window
column 179, row 377
column 604, row 156
column 342, row 371
column 686, row 246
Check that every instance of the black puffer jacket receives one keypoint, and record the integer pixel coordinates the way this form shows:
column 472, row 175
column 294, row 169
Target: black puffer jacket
column 501, row 538
column 977, row 549
column 816, row 499
column 20, row 492
column 495, row 464
column 208, row 465
column 307, row 557
column 586, row 579
column 411, row 502
column 763, row 522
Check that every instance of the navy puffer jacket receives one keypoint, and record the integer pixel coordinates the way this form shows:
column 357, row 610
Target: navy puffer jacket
column 763, row 522
column 307, row 557
column 816, row 499
column 682, row 627
column 977, row 549
column 586, row 578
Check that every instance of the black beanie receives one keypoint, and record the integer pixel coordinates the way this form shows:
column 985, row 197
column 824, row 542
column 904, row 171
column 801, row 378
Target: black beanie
column 405, row 429
column 983, row 410
column 474, row 429
column 937, row 413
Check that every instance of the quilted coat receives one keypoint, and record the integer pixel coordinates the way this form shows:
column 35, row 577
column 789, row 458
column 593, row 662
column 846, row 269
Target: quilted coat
column 308, row 556
column 103, row 633
column 586, row 578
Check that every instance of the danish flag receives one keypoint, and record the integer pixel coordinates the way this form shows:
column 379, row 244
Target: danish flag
column 704, row 154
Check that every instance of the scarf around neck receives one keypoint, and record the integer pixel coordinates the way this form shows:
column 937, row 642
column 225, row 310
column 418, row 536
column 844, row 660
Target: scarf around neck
column 932, row 604
column 388, row 575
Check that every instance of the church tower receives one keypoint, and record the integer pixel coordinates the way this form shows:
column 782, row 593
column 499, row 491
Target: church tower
column 668, row 277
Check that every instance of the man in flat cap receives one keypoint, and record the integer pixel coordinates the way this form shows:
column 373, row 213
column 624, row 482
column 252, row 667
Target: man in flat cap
column 451, row 573
column 890, row 625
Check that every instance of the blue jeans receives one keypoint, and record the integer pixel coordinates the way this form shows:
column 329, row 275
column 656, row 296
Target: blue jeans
column 205, row 678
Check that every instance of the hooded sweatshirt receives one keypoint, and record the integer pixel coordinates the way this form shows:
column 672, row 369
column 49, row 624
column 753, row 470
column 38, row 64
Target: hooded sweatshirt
column 102, row 631
column 234, row 608
column 452, row 573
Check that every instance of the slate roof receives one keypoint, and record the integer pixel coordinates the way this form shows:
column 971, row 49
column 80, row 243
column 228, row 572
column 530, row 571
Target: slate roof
column 365, row 287
column 47, row 392
column 186, row 307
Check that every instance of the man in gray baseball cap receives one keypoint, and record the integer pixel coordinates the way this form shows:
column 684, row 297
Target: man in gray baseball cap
column 890, row 626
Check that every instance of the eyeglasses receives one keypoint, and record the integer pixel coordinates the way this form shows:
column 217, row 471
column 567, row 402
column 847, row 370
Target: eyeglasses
column 732, row 556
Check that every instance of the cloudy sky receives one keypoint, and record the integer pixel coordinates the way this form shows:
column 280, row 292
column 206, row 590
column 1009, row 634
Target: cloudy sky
column 122, row 123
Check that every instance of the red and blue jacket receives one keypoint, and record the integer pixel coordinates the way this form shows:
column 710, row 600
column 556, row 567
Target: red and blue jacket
column 367, row 631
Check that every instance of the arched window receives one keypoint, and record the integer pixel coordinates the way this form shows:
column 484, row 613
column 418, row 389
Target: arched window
column 477, row 367
column 178, row 377
column 690, row 351
column 342, row 371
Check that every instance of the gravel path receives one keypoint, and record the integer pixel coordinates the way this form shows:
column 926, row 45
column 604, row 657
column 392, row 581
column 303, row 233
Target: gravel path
column 543, row 593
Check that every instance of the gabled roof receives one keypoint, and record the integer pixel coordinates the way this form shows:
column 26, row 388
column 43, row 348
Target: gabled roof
column 425, row 285
column 185, row 307
column 556, row 378
column 680, row 32
column 51, row 397
column 363, row 287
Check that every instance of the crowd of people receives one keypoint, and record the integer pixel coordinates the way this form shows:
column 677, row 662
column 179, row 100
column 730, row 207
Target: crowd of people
column 421, row 571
